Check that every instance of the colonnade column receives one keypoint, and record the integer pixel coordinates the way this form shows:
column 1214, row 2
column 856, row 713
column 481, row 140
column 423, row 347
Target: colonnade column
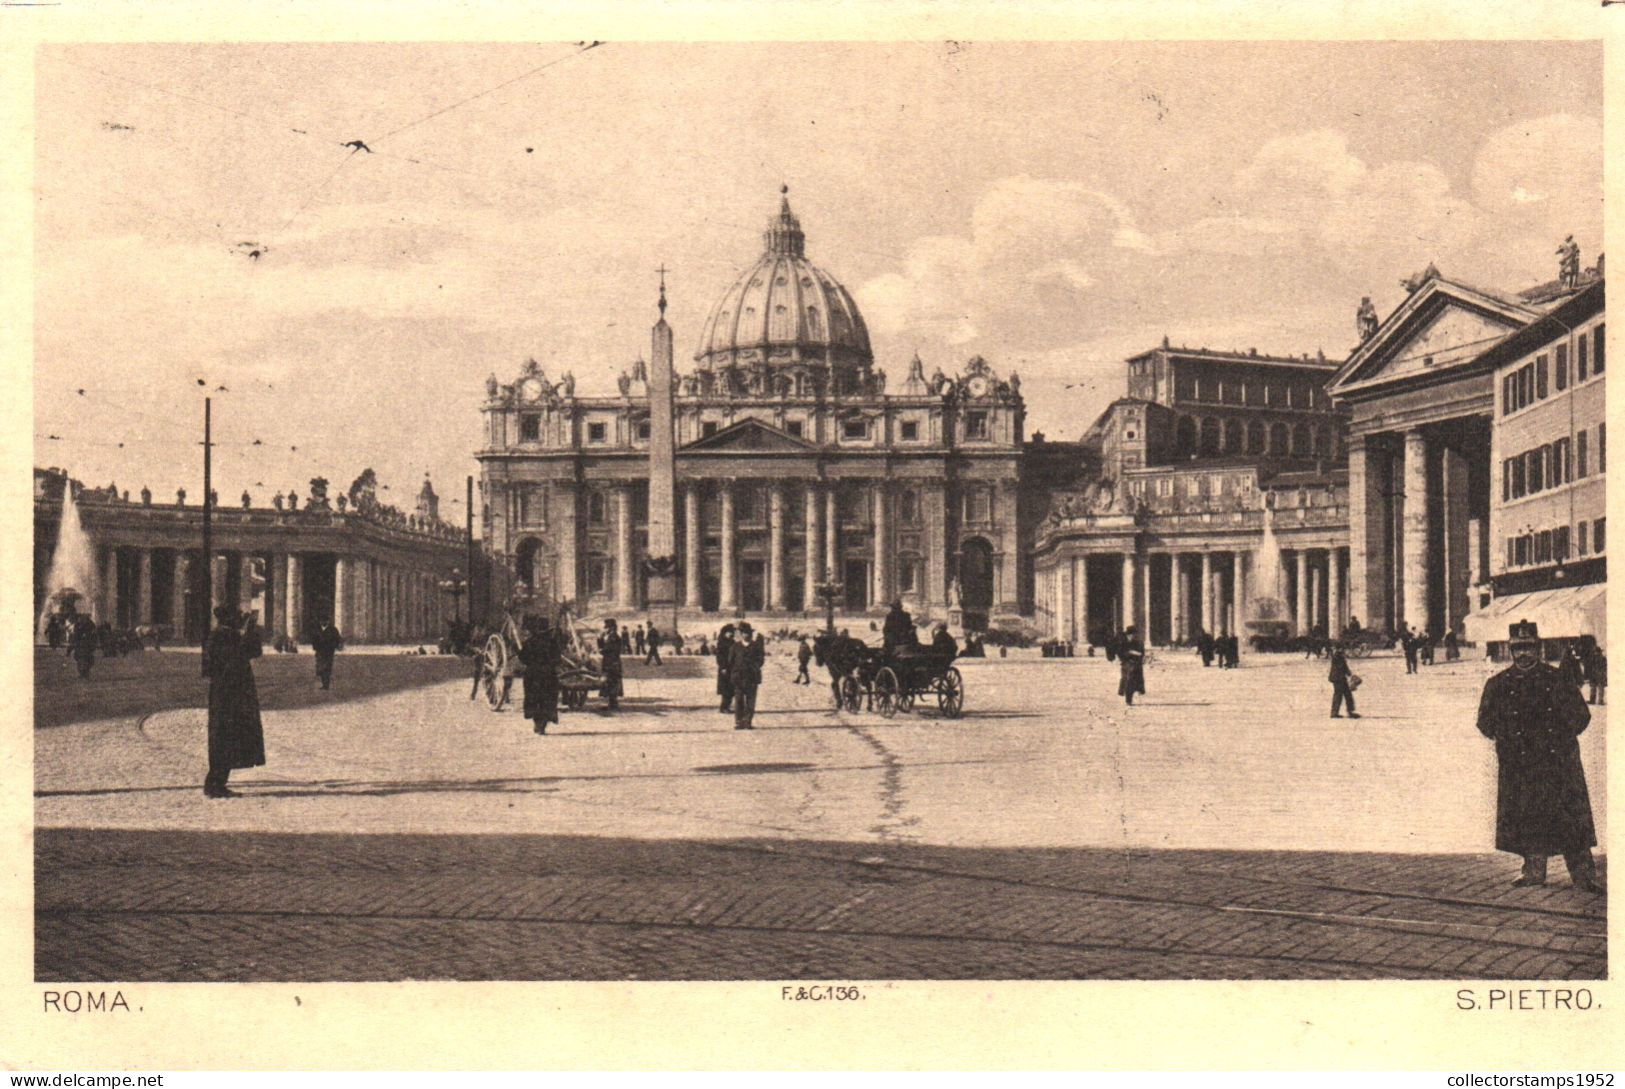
column 882, row 575
column 730, row 597
column 143, row 587
column 1061, row 597
column 1238, row 606
column 1080, row 598
column 1128, row 590
column 775, row 547
column 1316, row 618
column 1416, row 530
column 277, row 580
column 177, row 598
column 1176, row 600
column 109, row 603
column 815, row 567
column 1302, row 612
column 295, row 593
column 1145, row 593
column 624, row 575
column 692, row 558
column 343, row 576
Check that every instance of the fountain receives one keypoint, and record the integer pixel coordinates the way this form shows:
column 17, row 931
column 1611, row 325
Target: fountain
column 72, row 579
column 1267, row 622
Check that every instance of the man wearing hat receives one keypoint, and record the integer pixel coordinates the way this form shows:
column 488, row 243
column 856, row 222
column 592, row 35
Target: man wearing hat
column 1131, row 660
column 746, row 656
column 609, row 649
column 1535, row 718
column 236, row 736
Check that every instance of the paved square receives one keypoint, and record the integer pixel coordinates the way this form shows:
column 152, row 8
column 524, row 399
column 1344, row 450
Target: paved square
column 1225, row 827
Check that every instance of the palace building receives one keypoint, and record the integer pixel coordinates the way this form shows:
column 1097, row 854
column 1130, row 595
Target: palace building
column 798, row 466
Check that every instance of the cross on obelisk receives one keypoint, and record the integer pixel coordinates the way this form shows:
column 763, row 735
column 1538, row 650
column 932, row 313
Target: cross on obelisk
column 661, row 565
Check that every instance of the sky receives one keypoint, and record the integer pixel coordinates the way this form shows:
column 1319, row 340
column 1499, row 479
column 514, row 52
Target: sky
column 1051, row 207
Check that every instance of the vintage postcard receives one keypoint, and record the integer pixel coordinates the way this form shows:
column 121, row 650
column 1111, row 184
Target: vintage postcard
column 943, row 529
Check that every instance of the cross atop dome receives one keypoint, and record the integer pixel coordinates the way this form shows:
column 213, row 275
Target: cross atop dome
column 783, row 234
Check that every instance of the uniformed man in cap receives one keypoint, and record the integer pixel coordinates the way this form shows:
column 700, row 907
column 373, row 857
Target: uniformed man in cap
column 1535, row 717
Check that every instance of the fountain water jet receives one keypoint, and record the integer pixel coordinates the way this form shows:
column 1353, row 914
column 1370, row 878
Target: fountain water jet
column 73, row 579
column 1267, row 607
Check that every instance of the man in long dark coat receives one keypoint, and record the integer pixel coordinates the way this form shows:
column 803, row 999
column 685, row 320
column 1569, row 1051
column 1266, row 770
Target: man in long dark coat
column 82, row 644
column 540, row 655
column 745, row 659
column 1131, row 661
column 610, row 645
column 1535, row 717
column 236, row 738
column 898, row 630
column 723, row 652
column 1205, row 647
column 326, row 642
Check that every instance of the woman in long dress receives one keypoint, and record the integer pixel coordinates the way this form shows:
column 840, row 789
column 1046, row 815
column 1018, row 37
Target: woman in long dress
column 540, row 655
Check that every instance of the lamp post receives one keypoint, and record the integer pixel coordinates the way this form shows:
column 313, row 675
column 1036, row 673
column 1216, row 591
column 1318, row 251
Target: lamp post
column 827, row 592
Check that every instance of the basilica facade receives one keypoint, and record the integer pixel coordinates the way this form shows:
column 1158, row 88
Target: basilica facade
column 802, row 472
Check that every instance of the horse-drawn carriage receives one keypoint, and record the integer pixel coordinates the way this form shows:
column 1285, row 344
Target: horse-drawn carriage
column 1361, row 643
column 892, row 680
column 580, row 669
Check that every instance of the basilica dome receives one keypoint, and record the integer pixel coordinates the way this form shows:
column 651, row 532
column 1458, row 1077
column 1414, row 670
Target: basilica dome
column 785, row 309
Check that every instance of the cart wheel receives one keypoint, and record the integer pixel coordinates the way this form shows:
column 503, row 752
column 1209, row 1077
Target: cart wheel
column 905, row 699
column 886, row 690
column 951, row 693
column 496, row 663
column 851, row 695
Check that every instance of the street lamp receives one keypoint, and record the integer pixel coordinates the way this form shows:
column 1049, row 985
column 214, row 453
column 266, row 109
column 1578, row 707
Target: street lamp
column 827, row 592
column 455, row 585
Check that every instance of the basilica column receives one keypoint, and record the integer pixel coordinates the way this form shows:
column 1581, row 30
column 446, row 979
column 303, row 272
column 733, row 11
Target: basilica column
column 693, row 559
column 625, row 582
column 343, row 577
column 1366, row 512
column 730, row 596
column 1207, row 594
column 1302, row 610
column 1175, row 600
column 177, row 599
column 1334, row 593
column 1415, row 590
column 815, row 565
column 295, row 594
column 775, row 547
column 882, row 576
column 832, row 532
column 143, row 587
column 1061, row 598
column 1128, row 590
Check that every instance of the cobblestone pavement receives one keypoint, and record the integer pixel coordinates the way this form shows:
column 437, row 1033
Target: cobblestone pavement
column 1224, row 829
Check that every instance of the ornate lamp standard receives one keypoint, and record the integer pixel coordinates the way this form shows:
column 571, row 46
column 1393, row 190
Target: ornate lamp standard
column 827, row 592
column 455, row 585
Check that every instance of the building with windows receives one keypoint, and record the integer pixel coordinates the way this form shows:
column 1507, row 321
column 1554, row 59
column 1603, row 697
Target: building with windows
column 1426, row 442
column 1548, row 506
column 798, row 466
column 1217, row 498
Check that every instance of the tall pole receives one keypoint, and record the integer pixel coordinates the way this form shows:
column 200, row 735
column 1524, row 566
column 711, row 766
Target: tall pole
column 208, row 527
column 468, row 511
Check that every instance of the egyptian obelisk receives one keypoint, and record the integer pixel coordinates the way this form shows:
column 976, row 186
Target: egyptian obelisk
column 661, row 565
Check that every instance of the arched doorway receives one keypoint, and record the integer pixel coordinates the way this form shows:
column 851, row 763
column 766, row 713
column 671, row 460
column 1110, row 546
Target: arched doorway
column 976, row 582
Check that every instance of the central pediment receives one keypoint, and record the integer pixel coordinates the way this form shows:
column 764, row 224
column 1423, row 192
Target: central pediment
column 753, row 436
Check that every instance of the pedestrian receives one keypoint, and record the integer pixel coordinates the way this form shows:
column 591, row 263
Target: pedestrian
column 326, row 642
column 477, row 648
column 943, row 645
column 1452, row 646
column 1344, row 682
column 53, row 631
column 637, row 640
column 1408, row 642
column 1596, row 671
column 107, row 640
column 626, row 640
column 652, row 641
column 803, row 656
column 236, row 736
column 610, row 646
column 1535, row 717
column 1573, row 667
column 899, row 628
column 1204, row 647
column 745, row 660
column 724, row 653
column 1131, row 662
column 1232, row 651
column 677, row 643
column 1428, row 639
column 82, row 644
column 540, row 655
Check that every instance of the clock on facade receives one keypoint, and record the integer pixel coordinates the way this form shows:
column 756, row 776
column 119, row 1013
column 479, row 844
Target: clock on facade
column 531, row 389
column 979, row 386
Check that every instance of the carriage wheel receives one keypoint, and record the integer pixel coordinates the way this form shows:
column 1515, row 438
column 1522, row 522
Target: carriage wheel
column 886, row 692
column 851, row 698
column 905, row 699
column 951, row 693
column 496, row 662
